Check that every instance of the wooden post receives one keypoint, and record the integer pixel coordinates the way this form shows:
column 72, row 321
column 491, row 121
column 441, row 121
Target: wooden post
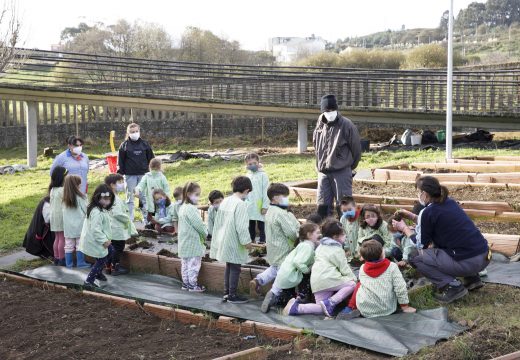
column 302, row 136
column 211, row 129
column 263, row 131
column 31, row 107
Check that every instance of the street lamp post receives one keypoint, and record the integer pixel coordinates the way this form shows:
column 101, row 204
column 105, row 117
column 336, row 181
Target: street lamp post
column 449, row 95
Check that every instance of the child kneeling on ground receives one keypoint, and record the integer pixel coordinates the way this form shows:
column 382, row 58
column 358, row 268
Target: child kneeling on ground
column 295, row 266
column 231, row 239
column 332, row 279
column 192, row 238
column 281, row 229
column 164, row 213
column 97, row 232
column 381, row 285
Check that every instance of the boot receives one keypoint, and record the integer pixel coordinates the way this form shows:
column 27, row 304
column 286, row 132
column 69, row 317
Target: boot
column 80, row 259
column 323, row 211
column 69, row 261
column 61, row 262
column 119, row 270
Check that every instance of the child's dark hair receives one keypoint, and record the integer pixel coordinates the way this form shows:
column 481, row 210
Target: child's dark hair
column 331, row 228
column 252, row 156
column 377, row 238
column 345, row 200
column 177, row 192
column 96, row 196
column 241, row 184
column 73, row 140
column 372, row 208
column 430, row 185
column 315, row 218
column 417, row 207
column 371, row 250
column 276, row 189
column 71, row 191
column 57, row 177
column 190, row 187
column 161, row 192
column 113, row 179
column 214, row 195
column 389, row 221
column 305, row 229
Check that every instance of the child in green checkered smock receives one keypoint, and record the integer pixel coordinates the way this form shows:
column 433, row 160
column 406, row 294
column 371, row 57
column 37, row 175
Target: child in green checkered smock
column 257, row 200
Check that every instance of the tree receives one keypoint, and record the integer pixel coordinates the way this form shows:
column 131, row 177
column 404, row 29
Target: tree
column 9, row 36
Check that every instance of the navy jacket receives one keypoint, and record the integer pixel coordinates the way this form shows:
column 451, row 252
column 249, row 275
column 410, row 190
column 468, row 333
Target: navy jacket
column 448, row 227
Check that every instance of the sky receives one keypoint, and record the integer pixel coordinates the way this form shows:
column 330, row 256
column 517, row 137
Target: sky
column 249, row 22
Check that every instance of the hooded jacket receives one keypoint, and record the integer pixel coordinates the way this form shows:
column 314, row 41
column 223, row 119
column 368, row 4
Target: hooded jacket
column 337, row 144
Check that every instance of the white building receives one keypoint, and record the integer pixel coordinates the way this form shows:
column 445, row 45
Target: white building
column 288, row 49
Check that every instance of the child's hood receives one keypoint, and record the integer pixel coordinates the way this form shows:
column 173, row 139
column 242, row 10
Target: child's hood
column 330, row 242
column 376, row 268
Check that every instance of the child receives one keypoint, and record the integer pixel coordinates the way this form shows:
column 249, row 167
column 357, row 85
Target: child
column 297, row 264
column 372, row 223
column 215, row 199
column 177, row 195
column 74, row 210
column 122, row 227
column 257, row 199
column 381, row 285
column 349, row 220
column 192, row 234
column 281, row 230
column 332, row 279
column 231, row 238
column 402, row 245
column 56, row 214
column 96, row 233
column 164, row 213
column 152, row 180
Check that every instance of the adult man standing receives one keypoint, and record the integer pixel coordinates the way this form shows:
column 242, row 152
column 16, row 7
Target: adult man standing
column 338, row 151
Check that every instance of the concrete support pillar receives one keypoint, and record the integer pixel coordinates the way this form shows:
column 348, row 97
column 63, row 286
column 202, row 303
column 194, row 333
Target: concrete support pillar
column 302, row 136
column 31, row 122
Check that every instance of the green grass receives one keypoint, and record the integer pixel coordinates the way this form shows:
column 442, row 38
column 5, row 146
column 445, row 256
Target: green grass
column 20, row 193
column 22, row 265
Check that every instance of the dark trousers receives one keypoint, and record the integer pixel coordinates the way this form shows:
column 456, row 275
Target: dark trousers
column 99, row 265
column 441, row 269
column 333, row 185
column 231, row 278
column 261, row 230
column 119, row 247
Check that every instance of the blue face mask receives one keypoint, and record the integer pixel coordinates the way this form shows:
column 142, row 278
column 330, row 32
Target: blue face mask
column 161, row 202
column 253, row 168
column 349, row 213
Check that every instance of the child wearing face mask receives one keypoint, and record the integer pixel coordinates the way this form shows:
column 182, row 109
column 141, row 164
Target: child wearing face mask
column 97, row 233
column 231, row 240
column 122, row 227
column 56, row 213
column 215, row 199
column 164, row 213
column 152, row 180
column 177, row 196
column 192, row 235
column 296, row 267
column 332, row 279
column 402, row 245
column 257, row 200
column 370, row 223
column 349, row 219
column 281, row 232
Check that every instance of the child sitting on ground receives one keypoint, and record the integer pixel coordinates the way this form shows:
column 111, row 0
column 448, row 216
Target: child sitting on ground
column 257, row 200
column 370, row 223
column 281, row 232
column 349, row 220
column 96, row 233
column 152, row 180
column 295, row 266
column 164, row 213
column 402, row 245
column 215, row 198
column 381, row 285
column 74, row 211
column 192, row 236
column 332, row 279
column 231, row 238
column 122, row 226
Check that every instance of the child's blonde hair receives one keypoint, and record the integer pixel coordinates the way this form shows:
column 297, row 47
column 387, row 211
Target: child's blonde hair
column 155, row 164
column 252, row 156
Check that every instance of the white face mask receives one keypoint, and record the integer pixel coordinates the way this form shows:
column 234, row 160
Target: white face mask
column 178, row 202
column 77, row 150
column 284, row 201
column 421, row 201
column 135, row 136
column 104, row 203
column 330, row 115
column 120, row 187
column 194, row 199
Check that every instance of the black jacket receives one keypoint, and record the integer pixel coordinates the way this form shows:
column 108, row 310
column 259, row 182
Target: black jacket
column 39, row 238
column 134, row 157
column 337, row 144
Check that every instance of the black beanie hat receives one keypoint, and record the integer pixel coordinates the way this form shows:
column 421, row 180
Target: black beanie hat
column 328, row 102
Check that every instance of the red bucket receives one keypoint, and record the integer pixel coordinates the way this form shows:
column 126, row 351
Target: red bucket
column 112, row 163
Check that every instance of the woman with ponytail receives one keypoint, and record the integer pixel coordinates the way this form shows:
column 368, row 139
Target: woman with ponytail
column 448, row 242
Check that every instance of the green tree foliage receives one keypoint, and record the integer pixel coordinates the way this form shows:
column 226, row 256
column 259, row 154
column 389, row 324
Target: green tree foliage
column 357, row 58
column 430, row 56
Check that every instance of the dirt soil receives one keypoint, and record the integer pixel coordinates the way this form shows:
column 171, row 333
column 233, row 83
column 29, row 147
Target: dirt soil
column 67, row 325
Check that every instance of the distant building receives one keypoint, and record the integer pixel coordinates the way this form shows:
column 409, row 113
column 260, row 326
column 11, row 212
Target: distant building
column 288, row 49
